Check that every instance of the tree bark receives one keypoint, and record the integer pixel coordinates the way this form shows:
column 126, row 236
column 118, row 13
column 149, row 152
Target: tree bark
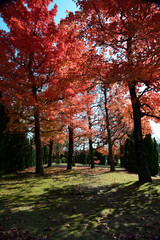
column 143, row 171
column 70, row 148
column 57, row 153
column 50, row 153
column 91, row 160
column 39, row 162
column 91, row 154
column 111, row 160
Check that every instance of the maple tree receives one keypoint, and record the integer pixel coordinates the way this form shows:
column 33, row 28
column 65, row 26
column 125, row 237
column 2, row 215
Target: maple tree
column 89, row 119
column 116, row 121
column 129, row 32
column 38, row 61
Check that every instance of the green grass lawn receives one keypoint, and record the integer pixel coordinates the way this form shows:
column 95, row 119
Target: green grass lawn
column 80, row 204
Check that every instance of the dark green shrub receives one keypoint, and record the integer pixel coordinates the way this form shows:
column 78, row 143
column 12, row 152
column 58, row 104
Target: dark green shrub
column 45, row 154
column 129, row 158
column 19, row 152
column 4, row 119
column 151, row 154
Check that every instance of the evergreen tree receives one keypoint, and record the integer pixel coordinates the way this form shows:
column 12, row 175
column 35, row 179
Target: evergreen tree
column 19, row 152
column 45, row 154
column 129, row 159
column 150, row 151
column 3, row 125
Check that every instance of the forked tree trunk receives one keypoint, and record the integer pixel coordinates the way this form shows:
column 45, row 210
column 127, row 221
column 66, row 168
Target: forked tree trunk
column 50, row 153
column 143, row 171
column 39, row 162
column 70, row 149
column 111, row 159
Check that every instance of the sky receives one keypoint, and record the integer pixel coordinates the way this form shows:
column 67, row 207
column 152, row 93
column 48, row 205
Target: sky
column 69, row 5
column 64, row 5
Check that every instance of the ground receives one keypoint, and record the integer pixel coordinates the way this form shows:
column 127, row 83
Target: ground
column 80, row 204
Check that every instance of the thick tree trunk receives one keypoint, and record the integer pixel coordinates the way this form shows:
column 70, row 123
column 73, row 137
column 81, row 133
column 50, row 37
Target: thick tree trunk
column 70, row 149
column 39, row 162
column 50, row 153
column 111, row 160
column 143, row 172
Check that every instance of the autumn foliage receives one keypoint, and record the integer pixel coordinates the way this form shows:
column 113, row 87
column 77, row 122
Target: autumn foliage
column 53, row 75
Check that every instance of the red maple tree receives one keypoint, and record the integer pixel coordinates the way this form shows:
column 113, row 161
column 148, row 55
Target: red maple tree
column 38, row 61
column 129, row 32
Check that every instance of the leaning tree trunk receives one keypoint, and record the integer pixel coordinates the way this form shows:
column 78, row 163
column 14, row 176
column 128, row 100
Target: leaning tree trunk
column 39, row 162
column 70, row 149
column 111, row 160
column 143, row 171
column 50, row 153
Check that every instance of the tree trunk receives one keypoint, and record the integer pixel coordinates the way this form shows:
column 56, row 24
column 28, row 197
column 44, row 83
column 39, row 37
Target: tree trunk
column 73, row 161
column 39, row 162
column 57, row 153
column 91, row 160
column 50, row 153
column 91, row 154
column 70, row 149
column 143, row 172
column 121, row 155
column 111, row 160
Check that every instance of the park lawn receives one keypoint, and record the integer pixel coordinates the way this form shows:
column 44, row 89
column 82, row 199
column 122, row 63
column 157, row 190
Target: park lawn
column 80, row 204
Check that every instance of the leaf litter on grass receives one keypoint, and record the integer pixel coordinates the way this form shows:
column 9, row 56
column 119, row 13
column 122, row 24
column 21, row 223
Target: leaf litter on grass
column 61, row 205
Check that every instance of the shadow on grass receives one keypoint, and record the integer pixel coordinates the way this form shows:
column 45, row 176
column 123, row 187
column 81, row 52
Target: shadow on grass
column 79, row 212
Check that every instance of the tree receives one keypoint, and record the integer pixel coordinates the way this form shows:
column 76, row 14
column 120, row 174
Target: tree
column 50, row 153
column 129, row 32
column 18, row 152
column 25, row 64
column 151, row 151
column 38, row 61
column 151, row 154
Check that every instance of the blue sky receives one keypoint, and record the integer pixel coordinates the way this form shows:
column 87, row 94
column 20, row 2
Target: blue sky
column 63, row 5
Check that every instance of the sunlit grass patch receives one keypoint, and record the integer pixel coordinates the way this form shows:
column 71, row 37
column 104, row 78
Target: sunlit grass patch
column 82, row 203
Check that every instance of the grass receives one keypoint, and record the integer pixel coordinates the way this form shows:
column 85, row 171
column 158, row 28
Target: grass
column 80, row 204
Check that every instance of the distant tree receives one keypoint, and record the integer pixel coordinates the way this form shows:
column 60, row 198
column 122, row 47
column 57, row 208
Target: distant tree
column 45, row 154
column 50, row 153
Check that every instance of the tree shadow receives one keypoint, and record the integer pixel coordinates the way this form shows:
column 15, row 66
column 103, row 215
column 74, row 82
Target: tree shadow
column 78, row 212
